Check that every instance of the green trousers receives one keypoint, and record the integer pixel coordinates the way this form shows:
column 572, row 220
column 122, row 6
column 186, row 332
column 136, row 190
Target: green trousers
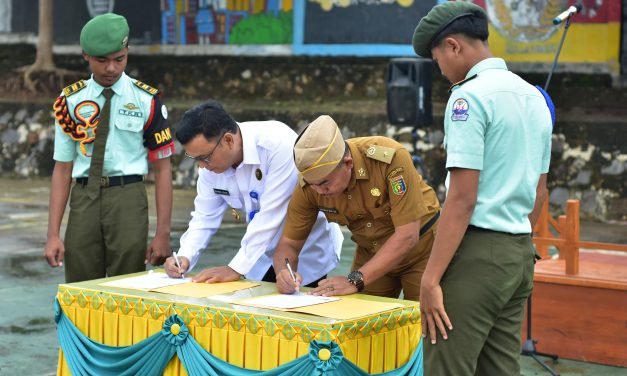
column 407, row 273
column 485, row 288
column 106, row 236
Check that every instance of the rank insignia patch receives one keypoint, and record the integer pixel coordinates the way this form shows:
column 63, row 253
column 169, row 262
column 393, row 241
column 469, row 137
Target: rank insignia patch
column 460, row 110
column 398, row 185
column 74, row 88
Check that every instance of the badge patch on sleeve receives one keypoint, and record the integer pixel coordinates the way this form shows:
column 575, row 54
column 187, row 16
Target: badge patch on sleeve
column 460, row 110
column 398, row 185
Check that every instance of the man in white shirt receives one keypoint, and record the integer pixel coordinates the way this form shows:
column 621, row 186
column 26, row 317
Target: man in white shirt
column 249, row 167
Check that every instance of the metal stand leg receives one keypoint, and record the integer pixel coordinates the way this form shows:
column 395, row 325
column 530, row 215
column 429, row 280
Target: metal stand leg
column 529, row 347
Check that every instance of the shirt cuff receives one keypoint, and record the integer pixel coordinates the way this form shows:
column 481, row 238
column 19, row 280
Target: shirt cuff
column 191, row 255
column 241, row 263
column 464, row 160
column 161, row 153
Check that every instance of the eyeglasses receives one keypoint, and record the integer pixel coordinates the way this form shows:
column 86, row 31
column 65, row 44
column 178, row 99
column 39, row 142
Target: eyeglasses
column 207, row 157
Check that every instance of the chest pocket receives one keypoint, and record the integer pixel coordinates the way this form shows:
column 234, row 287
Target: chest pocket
column 382, row 211
column 129, row 123
column 129, row 133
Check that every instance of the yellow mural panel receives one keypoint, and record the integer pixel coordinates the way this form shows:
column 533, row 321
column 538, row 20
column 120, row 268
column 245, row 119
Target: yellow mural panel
column 259, row 6
column 585, row 43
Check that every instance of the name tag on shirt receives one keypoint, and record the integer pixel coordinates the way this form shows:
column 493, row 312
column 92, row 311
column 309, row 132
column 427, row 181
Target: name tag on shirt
column 328, row 210
column 223, row 192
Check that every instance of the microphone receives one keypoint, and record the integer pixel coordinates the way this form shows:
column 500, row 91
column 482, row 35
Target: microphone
column 567, row 13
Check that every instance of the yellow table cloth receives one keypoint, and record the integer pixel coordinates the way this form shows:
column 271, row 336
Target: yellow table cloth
column 253, row 338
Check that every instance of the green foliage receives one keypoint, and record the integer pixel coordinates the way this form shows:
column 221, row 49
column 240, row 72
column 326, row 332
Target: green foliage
column 263, row 28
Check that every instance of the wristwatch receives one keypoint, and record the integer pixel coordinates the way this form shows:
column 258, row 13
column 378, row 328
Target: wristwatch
column 357, row 279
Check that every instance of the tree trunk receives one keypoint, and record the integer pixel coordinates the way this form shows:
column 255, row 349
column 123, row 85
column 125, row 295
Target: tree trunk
column 43, row 60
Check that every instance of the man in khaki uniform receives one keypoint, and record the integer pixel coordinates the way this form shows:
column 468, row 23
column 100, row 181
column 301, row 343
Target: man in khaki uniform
column 370, row 185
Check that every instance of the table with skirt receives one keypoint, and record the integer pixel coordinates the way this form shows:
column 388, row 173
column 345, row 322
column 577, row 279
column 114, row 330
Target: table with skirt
column 117, row 331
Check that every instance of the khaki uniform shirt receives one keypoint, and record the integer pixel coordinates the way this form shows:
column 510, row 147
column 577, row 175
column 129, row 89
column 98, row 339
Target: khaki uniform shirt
column 385, row 191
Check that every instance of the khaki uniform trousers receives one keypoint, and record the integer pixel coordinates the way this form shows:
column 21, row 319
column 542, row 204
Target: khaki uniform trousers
column 485, row 288
column 406, row 276
column 106, row 236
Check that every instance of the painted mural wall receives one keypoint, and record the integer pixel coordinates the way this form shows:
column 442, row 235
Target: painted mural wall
column 520, row 30
column 360, row 21
column 226, row 22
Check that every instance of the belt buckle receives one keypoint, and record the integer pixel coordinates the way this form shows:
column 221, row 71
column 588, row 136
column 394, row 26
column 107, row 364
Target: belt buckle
column 104, row 181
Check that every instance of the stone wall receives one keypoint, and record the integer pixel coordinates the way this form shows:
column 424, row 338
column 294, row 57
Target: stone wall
column 589, row 155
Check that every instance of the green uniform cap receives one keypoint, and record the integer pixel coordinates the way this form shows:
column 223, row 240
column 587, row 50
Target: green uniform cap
column 438, row 18
column 104, row 34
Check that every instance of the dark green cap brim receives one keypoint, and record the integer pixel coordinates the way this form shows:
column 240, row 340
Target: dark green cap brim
column 438, row 18
column 104, row 35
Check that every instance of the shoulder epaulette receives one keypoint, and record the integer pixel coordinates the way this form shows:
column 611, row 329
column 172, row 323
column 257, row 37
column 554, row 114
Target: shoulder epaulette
column 147, row 88
column 460, row 83
column 380, row 153
column 74, row 88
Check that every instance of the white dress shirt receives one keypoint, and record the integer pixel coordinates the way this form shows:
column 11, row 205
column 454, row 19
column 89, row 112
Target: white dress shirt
column 267, row 169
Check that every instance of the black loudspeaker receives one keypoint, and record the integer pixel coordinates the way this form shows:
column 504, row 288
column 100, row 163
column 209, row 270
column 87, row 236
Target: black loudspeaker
column 409, row 82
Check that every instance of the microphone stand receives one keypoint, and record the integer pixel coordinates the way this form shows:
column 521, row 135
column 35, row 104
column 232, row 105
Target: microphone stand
column 557, row 54
column 529, row 347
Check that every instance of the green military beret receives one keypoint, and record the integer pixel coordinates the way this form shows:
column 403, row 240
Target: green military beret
column 438, row 18
column 104, row 34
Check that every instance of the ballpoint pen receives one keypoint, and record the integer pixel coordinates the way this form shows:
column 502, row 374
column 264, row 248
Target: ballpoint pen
column 289, row 269
column 176, row 260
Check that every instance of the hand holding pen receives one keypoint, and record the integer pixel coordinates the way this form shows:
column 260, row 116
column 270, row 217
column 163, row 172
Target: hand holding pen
column 176, row 266
column 293, row 281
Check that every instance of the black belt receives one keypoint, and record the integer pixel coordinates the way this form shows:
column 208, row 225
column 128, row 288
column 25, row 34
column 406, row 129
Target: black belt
column 112, row 181
column 475, row 228
column 428, row 225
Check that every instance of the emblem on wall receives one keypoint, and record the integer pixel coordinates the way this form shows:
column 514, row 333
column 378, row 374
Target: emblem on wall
column 98, row 7
column 524, row 20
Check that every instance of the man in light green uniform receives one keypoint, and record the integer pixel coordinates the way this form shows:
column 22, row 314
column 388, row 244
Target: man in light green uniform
column 498, row 144
column 107, row 129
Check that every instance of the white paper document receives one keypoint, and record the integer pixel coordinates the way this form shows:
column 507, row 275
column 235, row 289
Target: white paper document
column 147, row 281
column 288, row 301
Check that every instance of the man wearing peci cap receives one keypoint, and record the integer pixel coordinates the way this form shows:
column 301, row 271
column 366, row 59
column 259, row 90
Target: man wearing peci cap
column 370, row 185
column 498, row 144
column 248, row 167
column 107, row 130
